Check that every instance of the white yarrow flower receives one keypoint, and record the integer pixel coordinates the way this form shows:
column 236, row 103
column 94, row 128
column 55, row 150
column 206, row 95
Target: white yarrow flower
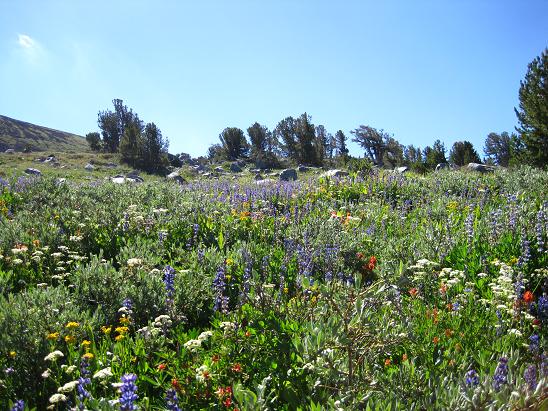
column 52, row 356
column 55, row 398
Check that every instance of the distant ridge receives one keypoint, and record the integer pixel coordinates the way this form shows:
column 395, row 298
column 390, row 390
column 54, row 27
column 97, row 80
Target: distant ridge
column 20, row 135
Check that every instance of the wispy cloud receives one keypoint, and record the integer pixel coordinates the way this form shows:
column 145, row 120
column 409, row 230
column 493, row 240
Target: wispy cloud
column 25, row 41
column 31, row 49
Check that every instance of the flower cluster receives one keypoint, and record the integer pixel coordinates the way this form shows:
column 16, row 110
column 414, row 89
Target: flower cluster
column 128, row 392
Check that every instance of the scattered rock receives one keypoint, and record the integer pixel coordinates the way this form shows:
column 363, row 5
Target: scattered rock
column 481, row 168
column 266, row 181
column 235, row 168
column 33, row 171
column 303, row 169
column 335, row 173
column 288, row 174
column 50, row 159
column 89, row 167
column 176, row 177
column 402, row 170
column 442, row 166
column 219, row 170
column 111, row 165
column 10, row 151
column 258, row 177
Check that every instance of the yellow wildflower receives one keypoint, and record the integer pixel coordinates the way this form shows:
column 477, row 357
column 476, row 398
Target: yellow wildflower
column 124, row 320
column 88, row 356
column 106, row 329
column 121, row 330
column 13, row 354
column 85, row 343
column 70, row 339
column 53, row 336
column 72, row 324
column 119, row 337
column 229, row 261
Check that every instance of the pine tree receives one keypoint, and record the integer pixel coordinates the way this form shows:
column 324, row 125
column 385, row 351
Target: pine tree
column 533, row 110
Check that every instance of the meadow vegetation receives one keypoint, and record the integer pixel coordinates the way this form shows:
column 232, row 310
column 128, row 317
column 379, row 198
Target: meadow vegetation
column 376, row 291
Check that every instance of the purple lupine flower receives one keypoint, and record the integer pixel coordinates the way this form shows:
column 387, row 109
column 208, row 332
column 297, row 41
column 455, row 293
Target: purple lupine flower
column 83, row 381
column 162, row 235
column 172, row 402
column 247, row 274
column 544, row 365
column 201, row 255
column 264, row 268
column 169, row 281
column 530, row 377
column 128, row 392
column 125, row 226
column 541, row 222
column 500, row 377
column 542, row 308
column 534, row 343
column 19, row 405
column 500, row 326
column 469, row 226
column 219, row 284
column 519, row 287
column 9, row 370
column 525, row 251
column 472, row 378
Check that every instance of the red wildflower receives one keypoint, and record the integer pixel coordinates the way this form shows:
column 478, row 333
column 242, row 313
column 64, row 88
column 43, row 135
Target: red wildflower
column 528, row 297
column 175, row 384
column 359, row 256
column 404, row 357
column 162, row 367
column 215, row 358
column 372, row 263
column 237, row 367
column 414, row 292
column 387, row 362
column 443, row 288
column 436, row 340
column 228, row 402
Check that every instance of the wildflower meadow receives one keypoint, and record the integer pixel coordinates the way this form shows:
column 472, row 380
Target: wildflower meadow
column 374, row 291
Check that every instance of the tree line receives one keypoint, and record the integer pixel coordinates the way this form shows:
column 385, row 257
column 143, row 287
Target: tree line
column 122, row 131
column 297, row 140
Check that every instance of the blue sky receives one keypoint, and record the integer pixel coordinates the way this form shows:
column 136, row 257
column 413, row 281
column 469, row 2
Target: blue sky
column 421, row 70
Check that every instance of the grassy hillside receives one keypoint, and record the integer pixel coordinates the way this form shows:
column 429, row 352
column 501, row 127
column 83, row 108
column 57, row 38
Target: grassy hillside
column 19, row 135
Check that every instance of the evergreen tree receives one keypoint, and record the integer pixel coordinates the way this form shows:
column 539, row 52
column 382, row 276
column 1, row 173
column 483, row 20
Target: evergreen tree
column 434, row 155
column 234, row 143
column 462, row 153
column 285, row 133
column 533, row 110
column 503, row 149
column 131, row 145
column 94, row 141
column 154, row 148
column 340, row 142
column 305, row 133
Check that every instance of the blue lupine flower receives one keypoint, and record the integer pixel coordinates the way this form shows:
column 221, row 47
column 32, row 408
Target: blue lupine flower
column 469, row 226
column 525, row 251
column 541, row 218
column 169, row 281
column 219, row 284
column 472, row 378
column 19, row 405
column 500, row 377
column 456, row 306
column 534, row 343
column 83, row 381
column 128, row 393
column 542, row 308
column 530, row 377
column 172, row 402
